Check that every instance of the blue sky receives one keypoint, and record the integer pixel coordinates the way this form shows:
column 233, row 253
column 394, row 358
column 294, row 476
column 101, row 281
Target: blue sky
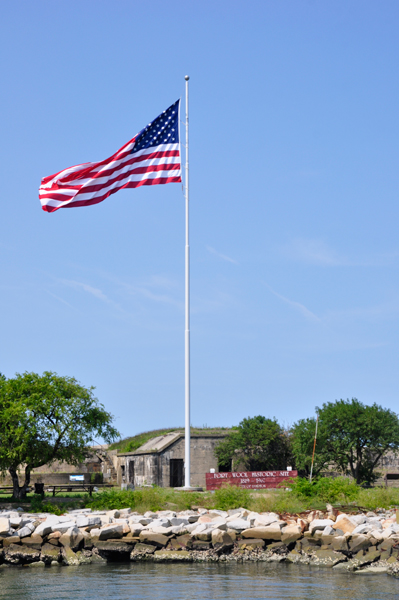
column 294, row 213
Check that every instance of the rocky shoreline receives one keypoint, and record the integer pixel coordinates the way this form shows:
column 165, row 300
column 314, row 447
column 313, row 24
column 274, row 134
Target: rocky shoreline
column 366, row 543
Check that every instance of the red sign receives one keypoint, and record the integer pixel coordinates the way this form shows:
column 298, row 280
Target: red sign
column 253, row 480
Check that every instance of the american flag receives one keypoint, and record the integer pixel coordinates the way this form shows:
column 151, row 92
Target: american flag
column 151, row 157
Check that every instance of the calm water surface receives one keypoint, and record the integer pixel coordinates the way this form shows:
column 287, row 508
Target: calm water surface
column 128, row 581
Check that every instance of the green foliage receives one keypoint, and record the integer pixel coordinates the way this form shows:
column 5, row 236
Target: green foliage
column 326, row 489
column 258, row 443
column 230, row 496
column 351, row 436
column 302, row 439
column 46, row 418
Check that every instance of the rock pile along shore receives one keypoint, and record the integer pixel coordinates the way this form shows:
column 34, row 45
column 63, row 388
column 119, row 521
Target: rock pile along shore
column 362, row 543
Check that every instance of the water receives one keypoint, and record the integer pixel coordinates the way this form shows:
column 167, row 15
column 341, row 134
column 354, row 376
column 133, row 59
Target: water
column 127, row 581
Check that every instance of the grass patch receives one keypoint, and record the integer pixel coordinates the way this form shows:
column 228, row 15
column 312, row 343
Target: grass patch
column 144, row 499
column 378, row 498
column 278, row 501
column 228, row 497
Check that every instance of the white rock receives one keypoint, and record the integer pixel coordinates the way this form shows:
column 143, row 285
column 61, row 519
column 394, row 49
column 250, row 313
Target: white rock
column 193, row 518
column 124, row 512
column 115, row 530
column 238, row 524
column 386, row 533
column 219, row 513
column 201, row 528
column 363, row 529
column 167, row 514
column 87, row 521
column 221, row 526
column 136, row 528
column 162, row 522
column 175, row 521
column 218, row 521
column 63, row 527
column 375, row 523
column 319, row 525
column 179, row 529
column 9, row 514
column 162, row 530
column 328, row 531
column 376, row 534
column 63, row 519
column 44, row 528
column 4, row 525
column 359, row 519
column 134, row 518
column 15, row 522
column 23, row 532
column 121, row 521
column 113, row 514
column 266, row 519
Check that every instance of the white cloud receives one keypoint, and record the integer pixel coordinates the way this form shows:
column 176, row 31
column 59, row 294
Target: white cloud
column 87, row 288
column 318, row 252
column 222, row 256
column 296, row 305
column 157, row 288
column 314, row 252
column 60, row 299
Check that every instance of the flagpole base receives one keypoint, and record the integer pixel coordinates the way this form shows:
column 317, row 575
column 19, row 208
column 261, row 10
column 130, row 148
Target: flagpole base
column 188, row 489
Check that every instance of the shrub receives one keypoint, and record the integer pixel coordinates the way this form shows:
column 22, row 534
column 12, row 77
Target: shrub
column 230, row 496
column 326, row 489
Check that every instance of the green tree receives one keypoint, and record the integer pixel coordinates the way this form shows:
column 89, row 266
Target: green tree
column 352, row 436
column 45, row 418
column 258, row 443
column 302, row 438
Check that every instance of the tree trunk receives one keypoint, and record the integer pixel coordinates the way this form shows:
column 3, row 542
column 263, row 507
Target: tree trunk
column 19, row 492
column 27, row 481
column 15, row 483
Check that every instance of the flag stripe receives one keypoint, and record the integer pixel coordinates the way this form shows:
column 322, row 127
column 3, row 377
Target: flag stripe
column 91, row 183
column 99, row 181
column 53, row 205
column 63, row 196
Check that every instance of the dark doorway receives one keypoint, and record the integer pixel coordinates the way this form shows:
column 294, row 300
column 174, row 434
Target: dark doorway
column 176, row 472
column 225, row 467
column 131, row 472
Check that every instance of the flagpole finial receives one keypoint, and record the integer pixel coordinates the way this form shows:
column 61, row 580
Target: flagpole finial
column 186, row 77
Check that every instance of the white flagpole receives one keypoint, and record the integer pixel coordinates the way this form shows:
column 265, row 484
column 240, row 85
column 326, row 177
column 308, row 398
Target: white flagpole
column 187, row 481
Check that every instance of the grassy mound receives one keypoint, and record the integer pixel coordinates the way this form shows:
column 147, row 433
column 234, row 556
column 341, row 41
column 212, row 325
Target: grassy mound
column 130, row 444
